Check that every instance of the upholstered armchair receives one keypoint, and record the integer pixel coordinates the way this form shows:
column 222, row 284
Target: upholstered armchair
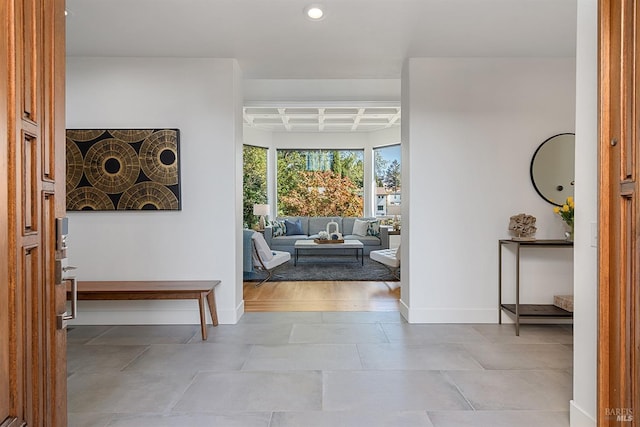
column 266, row 259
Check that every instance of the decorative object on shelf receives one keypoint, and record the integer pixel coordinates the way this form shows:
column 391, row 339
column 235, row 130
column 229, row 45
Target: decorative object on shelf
column 395, row 210
column 333, row 231
column 262, row 210
column 566, row 213
column 523, row 226
column 123, row 169
column 330, row 241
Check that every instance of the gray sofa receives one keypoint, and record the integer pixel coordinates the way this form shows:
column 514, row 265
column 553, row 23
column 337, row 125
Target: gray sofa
column 311, row 226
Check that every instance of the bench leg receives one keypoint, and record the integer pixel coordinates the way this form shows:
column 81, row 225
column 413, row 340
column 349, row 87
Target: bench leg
column 211, row 299
column 203, row 319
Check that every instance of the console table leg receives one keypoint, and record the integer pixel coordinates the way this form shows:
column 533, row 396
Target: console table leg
column 211, row 300
column 517, row 289
column 203, row 319
column 499, row 282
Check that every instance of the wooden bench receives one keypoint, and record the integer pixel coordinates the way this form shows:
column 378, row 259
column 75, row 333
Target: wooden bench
column 202, row 290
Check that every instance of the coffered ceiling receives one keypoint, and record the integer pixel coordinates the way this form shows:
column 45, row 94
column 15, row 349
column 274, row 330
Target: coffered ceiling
column 322, row 119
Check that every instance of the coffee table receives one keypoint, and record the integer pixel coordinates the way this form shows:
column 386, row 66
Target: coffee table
column 313, row 248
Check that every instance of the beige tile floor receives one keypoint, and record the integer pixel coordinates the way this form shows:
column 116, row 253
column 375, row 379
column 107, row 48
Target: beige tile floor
column 320, row 369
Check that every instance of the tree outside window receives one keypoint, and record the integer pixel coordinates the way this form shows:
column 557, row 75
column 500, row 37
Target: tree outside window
column 254, row 182
column 320, row 182
column 387, row 169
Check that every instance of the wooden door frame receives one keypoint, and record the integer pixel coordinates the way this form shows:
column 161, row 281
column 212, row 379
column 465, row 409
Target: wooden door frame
column 32, row 192
column 5, row 403
column 618, row 211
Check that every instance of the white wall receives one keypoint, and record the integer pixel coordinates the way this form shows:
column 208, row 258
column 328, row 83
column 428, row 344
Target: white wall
column 469, row 130
column 334, row 91
column 583, row 405
column 201, row 97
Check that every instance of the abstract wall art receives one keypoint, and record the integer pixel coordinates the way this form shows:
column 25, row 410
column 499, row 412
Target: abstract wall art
column 123, row 169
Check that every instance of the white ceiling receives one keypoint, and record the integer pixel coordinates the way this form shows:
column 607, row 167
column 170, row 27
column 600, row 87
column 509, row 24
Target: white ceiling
column 358, row 39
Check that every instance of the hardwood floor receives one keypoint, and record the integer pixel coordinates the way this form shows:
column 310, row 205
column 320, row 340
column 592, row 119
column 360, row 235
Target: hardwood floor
column 322, row 296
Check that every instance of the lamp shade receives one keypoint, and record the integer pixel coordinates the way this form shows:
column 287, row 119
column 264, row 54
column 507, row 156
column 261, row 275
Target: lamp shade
column 394, row 210
column 260, row 209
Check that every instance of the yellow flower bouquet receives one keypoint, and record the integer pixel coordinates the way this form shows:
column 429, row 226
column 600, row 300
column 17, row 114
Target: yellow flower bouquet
column 566, row 213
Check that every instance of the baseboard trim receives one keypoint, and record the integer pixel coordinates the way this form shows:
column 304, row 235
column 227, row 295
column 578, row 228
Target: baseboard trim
column 239, row 312
column 450, row 315
column 578, row 417
column 404, row 310
column 167, row 312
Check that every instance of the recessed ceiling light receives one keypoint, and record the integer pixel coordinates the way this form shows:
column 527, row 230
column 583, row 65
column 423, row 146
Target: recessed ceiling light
column 314, row 12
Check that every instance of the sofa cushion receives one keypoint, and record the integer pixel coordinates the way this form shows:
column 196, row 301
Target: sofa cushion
column 366, row 240
column 388, row 257
column 360, row 227
column 294, row 228
column 373, row 228
column 347, row 225
column 319, row 223
column 287, row 240
column 304, row 220
column 278, row 228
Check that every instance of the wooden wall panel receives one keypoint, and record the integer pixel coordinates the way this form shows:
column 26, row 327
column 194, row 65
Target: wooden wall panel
column 31, row 77
column 29, row 176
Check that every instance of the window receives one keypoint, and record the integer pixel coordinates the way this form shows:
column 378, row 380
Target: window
column 254, row 181
column 320, row 182
column 387, row 172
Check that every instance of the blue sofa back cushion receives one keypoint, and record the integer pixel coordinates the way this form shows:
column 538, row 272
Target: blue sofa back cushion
column 294, row 228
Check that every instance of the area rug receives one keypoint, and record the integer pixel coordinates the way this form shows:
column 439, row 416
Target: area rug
column 316, row 268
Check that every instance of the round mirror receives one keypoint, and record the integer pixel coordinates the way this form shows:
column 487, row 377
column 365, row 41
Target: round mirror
column 552, row 168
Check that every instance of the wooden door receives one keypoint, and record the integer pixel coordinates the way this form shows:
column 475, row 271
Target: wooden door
column 619, row 293
column 32, row 348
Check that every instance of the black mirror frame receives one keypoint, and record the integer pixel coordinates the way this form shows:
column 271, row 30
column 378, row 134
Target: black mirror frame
column 533, row 159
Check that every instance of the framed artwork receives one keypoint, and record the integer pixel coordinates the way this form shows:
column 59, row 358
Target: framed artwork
column 123, row 169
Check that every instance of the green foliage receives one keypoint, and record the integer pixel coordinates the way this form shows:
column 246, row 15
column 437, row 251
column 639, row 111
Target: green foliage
column 348, row 164
column 380, row 166
column 302, row 191
column 254, row 181
column 392, row 176
column 290, row 165
column 322, row 193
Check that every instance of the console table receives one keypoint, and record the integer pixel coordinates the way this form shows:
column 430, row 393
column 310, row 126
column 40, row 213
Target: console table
column 528, row 310
column 201, row 290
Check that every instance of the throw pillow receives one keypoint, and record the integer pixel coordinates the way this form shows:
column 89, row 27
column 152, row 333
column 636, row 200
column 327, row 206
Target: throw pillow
column 294, row 228
column 373, row 228
column 278, row 228
column 360, row 227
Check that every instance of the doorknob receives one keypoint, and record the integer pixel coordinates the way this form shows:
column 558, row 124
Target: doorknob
column 64, row 317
